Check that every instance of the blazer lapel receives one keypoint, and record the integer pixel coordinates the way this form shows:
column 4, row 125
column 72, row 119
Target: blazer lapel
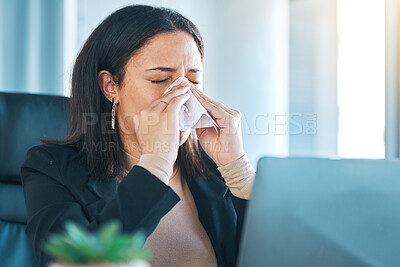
column 102, row 191
column 216, row 213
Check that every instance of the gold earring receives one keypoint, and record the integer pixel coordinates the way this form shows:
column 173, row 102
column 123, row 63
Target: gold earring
column 113, row 114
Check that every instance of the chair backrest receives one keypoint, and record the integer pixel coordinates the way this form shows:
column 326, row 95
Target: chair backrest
column 24, row 118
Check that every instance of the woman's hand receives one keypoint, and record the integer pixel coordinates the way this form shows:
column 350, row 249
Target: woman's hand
column 226, row 145
column 157, row 126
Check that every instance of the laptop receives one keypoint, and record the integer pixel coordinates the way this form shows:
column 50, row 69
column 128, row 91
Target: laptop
column 307, row 212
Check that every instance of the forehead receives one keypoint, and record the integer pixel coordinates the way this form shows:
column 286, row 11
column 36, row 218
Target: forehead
column 168, row 49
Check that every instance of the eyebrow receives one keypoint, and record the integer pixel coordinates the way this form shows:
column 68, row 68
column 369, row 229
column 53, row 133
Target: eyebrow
column 166, row 69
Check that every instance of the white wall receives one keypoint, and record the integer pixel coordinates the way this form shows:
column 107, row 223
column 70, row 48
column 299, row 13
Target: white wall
column 313, row 78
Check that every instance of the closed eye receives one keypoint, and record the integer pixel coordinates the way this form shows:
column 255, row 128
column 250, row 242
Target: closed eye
column 162, row 81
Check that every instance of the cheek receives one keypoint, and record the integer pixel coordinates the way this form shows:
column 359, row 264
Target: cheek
column 132, row 102
column 137, row 100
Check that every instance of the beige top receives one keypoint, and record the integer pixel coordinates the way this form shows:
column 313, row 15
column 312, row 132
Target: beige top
column 180, row 239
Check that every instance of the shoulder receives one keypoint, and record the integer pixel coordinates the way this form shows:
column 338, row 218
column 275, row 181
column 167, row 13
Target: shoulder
column 51, row 152
column 52, row 160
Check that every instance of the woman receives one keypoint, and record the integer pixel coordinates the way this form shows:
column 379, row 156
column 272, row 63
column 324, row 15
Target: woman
column 125, row 158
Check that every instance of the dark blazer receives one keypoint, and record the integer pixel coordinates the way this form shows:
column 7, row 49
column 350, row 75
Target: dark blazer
column 57, row 188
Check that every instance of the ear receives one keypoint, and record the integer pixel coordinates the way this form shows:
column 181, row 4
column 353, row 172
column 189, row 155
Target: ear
column 108, row 86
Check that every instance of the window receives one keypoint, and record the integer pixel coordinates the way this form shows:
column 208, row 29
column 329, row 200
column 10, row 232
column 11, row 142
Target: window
column 361, row 78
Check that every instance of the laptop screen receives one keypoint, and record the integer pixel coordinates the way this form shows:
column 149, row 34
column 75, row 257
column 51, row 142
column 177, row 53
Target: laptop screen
column 323, row 212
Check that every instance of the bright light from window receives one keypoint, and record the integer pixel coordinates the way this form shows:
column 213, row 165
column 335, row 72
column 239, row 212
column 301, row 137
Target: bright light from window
column 361, row 78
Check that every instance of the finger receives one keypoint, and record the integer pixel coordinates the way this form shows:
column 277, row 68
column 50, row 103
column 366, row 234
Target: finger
column 215, row 111
column 181, row 81
column 175, row 104
column 159, row 105
column 164, row 101
column 216, row 103
column 178, row 90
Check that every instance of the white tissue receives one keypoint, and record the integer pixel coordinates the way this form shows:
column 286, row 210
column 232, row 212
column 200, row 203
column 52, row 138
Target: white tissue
column 193, row 114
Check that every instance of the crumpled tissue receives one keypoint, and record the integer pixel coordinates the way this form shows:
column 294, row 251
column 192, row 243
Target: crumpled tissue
column 193, row 114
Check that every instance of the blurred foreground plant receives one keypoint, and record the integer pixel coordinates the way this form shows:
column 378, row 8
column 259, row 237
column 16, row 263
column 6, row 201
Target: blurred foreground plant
column 108, row 245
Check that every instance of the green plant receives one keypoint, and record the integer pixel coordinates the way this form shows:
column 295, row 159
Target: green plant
column 77, row 245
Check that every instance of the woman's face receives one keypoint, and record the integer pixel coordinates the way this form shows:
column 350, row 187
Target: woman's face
column 148, row 73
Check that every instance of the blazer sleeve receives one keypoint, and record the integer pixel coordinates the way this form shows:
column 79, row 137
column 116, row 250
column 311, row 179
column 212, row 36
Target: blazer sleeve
column 140, row 203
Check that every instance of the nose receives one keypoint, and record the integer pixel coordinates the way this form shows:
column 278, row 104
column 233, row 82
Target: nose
column 180, row 72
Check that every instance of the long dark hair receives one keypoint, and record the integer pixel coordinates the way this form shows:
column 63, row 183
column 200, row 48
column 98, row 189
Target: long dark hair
column 109, row 47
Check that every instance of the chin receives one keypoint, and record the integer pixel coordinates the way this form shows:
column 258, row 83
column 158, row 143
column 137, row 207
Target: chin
column 183, row 136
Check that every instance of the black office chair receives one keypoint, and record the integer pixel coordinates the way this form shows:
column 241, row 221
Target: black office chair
column 23, row 119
